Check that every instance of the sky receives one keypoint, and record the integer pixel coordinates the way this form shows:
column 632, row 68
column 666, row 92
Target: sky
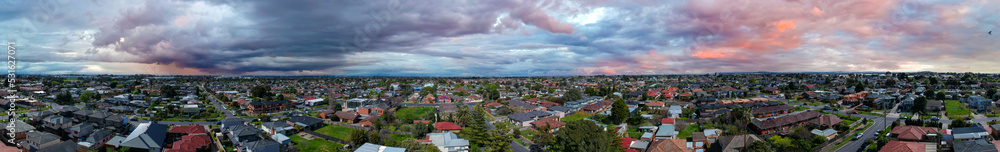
column 499, row 37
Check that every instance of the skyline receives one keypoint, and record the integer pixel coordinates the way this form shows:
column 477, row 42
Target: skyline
column 500, row 38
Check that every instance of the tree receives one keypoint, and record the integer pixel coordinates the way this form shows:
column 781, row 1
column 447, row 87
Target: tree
column 359, row 137
column 619, row 111
column 543, row 138
column 261, row 91
column 940, row 96
column 990, row 92
column 87, row 96
column 919, row 105
column 64, row 98
column 929, row 93
column 585, row 136
column 933, row 80
column 475, row 128
column 573, row 95
column 759, row 146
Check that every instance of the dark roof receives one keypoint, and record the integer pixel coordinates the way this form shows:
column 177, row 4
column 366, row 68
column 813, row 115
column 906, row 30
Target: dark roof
column 61, row 147
column 98, row 135
column 828, row 120
column 308, row 121
column 559, row 108
column 980, row 145
column 522, row 104
column 41, row 137
column 263, row 145
column 975, row 128
column 785, row 120
column 521, row 117
column 146, row 136
column 934, row 103
column 347, row 115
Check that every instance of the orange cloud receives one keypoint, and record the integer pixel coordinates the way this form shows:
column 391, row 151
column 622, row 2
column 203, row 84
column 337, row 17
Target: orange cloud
column 709, row 54
column 784, row 24
column 609, row 71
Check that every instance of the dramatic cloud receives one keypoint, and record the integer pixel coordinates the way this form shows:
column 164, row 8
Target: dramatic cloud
column 503, row 37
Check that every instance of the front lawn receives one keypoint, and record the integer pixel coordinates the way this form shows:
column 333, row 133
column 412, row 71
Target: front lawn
column 687, row 132
column 800, row 108
column 336, row 131
column 575, row 117
column 412, row 113
column 955, row 108
column 316, row 144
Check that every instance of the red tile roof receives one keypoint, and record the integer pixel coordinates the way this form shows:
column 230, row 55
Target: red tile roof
column 190, row 143
column 626, row 142
column 828, row 120
column 915, row 133
column 446, row 126
column 669, row 145
column 902, row 146
column 190, row 129
column 550, row 121
column 770, row 109
column 667, row 120
column 785, row 120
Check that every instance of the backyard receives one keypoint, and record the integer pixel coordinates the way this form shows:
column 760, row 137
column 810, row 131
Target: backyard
column 316, row 144
column 955, row 108
column 575, row 117
column 336, row 131
column 412, row 113
column 687, row 132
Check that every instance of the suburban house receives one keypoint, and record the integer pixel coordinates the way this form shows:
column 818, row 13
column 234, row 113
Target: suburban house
column 96, row 140
column 665, row 131
column 447, row 127
column 39, row 140
column 525, row 119
column 448, row 142
column 553, row 124
column 782, row 123
column 19, row 130
column 977, row 102
column 268, row 106
column 260, row 146
column 771, row 111
column 934, row 105
column 712, row 135
column 189, row 138
column 146, row 137
column 276, row 127
column 669, row 145
column 348, row 117
column 733, row 143
column 82, row 115
column 903, row 146
column 655, row 104
column 79, row 131
column 699, row 141
column 825, row 121
column 305, row 122
column 369, row 147
column 973, row 132
column 978, row 145
column 370, row 110
column 914, row 133
column 368, row 121
column 829, row 133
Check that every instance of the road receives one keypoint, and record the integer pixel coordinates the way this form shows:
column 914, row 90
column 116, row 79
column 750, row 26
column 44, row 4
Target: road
column 868, row 133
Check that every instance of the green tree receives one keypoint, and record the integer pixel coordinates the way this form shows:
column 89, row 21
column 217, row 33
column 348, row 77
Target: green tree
column 619, row 111
column 919, row 105
column 759, row 146
column 573, row 95
column 87, row 96
column 929, row 93
column 585, row 136
column 261, row 91
column 990, row 92
column 64, row 98
column 940, row 96
column 358, row 137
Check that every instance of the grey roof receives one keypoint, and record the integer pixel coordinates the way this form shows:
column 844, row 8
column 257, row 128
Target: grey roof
column 559, row 108
column 57, row 119
column 20, row 126
column 146, row 136
column 521, row 117
column 824, row 133
column 83, row 113
column 244, row 130
column 41, row 137
column 61, row 147
column 980, row 145
column 263, row 145
column 540, row 113
column 306, row 120
column 666, row 130
column 975, row 128
column 100, row 115
column 81, row 126
column 275, row 124
column 97, row 136
column 447, row 139
column 369, row 147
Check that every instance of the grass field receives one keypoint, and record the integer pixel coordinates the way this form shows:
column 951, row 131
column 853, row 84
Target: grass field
column 956, row 108
column 575, row 117
column 687, row 132
column 316, row 144
column 336, row 131
column 801, row 108
column 398, row 137
column 412, row 113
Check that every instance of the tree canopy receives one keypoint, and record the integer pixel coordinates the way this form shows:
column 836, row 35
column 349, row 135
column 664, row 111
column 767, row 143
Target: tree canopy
column 585, row 136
